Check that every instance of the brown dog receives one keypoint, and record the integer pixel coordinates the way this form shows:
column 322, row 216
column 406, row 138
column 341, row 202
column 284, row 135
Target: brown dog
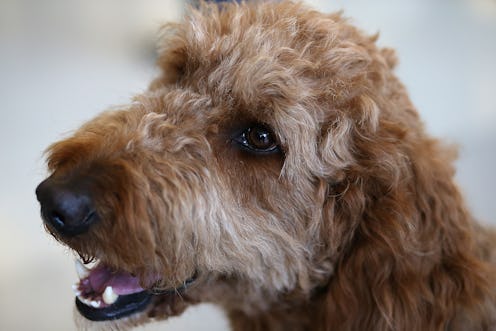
column 278, row 169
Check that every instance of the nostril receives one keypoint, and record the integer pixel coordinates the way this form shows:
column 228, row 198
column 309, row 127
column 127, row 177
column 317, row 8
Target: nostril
column 57, row 219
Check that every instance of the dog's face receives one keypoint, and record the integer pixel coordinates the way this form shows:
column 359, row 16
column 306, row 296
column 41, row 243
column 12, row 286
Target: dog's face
column 226, row 174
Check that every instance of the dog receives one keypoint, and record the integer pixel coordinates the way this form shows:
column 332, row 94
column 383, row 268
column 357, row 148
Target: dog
column 277, row 168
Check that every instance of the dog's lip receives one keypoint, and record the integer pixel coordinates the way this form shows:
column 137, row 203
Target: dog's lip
column 104, row 294
column 124, row 306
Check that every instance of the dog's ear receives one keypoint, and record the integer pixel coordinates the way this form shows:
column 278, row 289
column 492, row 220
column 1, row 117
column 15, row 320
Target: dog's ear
column 393, row 219
column 400, row 235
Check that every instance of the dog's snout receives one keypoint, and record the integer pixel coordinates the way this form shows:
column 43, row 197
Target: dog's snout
column 66, row 206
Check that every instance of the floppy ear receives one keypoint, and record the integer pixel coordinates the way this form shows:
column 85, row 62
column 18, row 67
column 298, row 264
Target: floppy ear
column 396, row 226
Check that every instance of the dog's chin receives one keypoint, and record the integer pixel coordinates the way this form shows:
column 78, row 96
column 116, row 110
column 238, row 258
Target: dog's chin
column 124, row 306
column 106, row 295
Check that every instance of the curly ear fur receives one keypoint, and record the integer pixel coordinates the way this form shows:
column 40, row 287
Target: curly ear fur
column 407, row 257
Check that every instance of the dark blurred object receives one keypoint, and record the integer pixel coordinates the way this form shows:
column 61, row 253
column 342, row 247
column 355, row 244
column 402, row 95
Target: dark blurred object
column 196, row 2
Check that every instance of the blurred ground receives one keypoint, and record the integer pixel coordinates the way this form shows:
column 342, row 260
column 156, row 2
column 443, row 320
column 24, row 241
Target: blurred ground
column 63, row 61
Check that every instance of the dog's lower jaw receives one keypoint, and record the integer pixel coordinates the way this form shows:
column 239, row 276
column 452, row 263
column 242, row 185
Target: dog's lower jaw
column 161, row 307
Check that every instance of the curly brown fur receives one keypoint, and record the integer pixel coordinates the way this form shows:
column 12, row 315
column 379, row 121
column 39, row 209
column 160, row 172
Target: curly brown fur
column 355, row 223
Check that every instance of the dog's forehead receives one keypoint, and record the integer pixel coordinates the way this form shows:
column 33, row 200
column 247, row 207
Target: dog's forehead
column 251, row 57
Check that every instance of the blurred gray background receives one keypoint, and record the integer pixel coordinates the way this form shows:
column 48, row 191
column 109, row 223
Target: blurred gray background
column 63, row 61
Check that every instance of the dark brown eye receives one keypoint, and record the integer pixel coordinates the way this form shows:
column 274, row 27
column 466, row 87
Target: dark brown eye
column 257, row 138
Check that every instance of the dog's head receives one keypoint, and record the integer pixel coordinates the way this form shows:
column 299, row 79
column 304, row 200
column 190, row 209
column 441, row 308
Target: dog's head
column 242, row 173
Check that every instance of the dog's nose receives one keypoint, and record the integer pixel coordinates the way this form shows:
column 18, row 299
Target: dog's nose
column 66, row 205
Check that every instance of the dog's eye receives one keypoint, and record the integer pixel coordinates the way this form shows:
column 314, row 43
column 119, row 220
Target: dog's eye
column 257, row 138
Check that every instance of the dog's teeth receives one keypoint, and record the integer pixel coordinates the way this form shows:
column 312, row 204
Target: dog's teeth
column 109, row 296
column 84, row 300
column 95, row 304
column 75, row 289
column 81, row 270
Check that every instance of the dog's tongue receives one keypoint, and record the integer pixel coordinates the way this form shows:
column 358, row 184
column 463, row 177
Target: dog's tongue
column 122, row 282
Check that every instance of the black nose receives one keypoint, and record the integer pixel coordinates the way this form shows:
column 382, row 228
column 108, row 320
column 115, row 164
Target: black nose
column 66, row 205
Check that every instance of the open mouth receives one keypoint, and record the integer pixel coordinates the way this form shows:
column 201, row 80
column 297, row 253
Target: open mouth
column 104, row 294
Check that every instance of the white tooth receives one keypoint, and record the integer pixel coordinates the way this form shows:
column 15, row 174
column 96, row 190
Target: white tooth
column 85, row 301
column 81, row 270
column 95, row 304
column 75, row 289
column 109, row 296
